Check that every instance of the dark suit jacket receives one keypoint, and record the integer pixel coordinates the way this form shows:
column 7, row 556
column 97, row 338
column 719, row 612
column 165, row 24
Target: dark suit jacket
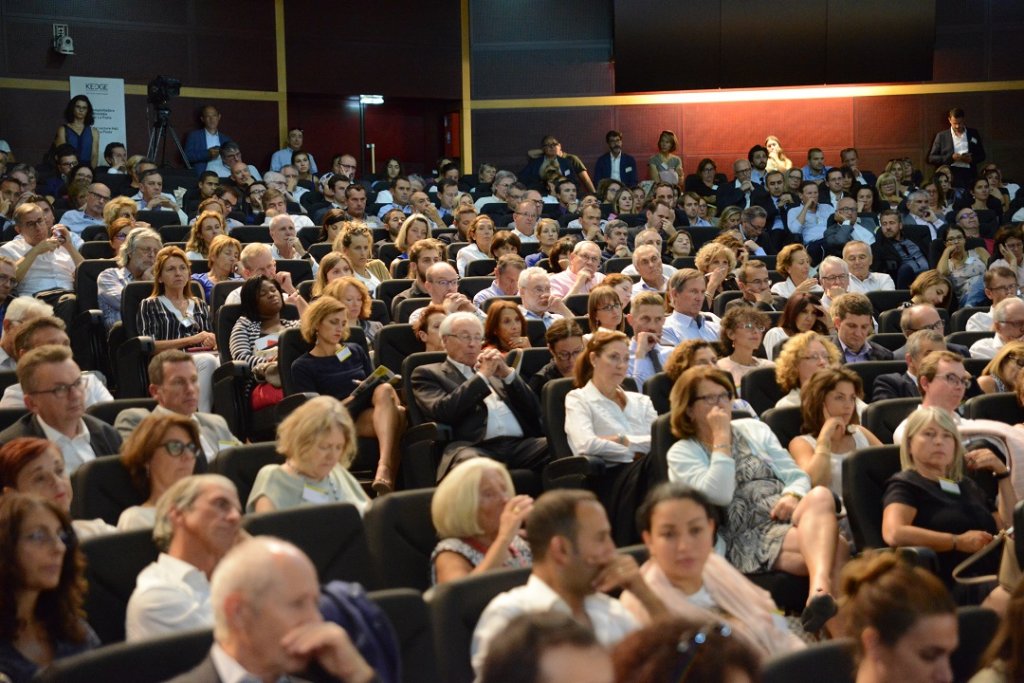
column 627, row 169
column 206, row 672
column 875, row 351
column 445, row 395
column 196, row 150
column 894, row 385
column 885, row 257
column 730, row 195
column 103, row 438
column 942, row 149
column 901, row 352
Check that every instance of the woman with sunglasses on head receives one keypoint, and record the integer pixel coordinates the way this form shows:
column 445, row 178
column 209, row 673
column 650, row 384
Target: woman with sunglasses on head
column 775, row 519
column 42, row 589
column 742, row 331
column 1002, row 373
column 160, row 451
column 678, row 526
column 961, row 266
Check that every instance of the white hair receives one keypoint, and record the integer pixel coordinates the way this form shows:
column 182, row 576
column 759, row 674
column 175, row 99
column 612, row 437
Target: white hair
column 459, row 316
column 835, row 261
column 530, row 273
column 25, row 308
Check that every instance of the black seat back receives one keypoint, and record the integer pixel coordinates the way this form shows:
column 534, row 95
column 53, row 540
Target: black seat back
column 659, row 388
column 113, row 562
column 785, row 423
column 881, row 418
column 85, row 282
column 760, row 389
column 103, row 489
column 552, row 401
column 410, row 617
column 835, row 657
column 401, row 537
column 414, row 414
column 871, row 369
column 393, row 344
column 1002, row 407
column 241, row 464
column 865, row 473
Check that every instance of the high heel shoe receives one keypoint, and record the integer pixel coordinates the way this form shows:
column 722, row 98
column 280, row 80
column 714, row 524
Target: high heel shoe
column 382, row 486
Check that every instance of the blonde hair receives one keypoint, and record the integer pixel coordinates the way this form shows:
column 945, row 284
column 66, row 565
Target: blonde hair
column 787, row 365
column 298, row 434
column 116, row 205
column 456, row 501
column 401, row 241
column 220, row 243
column 785, row 257
column 316, row 313
column 337, row 288
column 196, row 242
column 918, row 420
column 711, row 251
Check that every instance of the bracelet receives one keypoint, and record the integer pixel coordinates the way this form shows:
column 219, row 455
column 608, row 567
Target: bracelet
column 794, row 494
column 953, row 536
column 999, row 477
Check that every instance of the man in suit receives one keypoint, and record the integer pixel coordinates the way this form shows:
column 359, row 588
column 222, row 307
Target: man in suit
column 924, row 317
column 776, row 201
column 739, row 192
column 851, row 315
column 203, row 145
column 904, row 384
column 616, row 164
column 848, row 157
column 267, row 624
column 55, row 397
column 174, row 383
column 198, row 520
column 491, row 410
column 958, row 147
column 754, row 282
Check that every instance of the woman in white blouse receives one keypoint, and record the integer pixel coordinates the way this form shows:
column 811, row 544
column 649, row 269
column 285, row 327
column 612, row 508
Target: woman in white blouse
column 480, row 234
column 601, row 418
column 794, row 262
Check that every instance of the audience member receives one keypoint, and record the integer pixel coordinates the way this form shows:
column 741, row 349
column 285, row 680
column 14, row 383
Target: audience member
column 506, row 279
column 853, row 322
column 565, row 342
column 135, row 263
column 204, row 145
column 742, row 331
column 686, row 295
column 1008, row 325
column 544, row 647
column 858, row 256
column 904, row 384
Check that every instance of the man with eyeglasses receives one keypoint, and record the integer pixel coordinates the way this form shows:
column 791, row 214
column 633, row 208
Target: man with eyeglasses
column 92, row 213
column 1000, row 283
column 499, row 189
column 538, row 303
column 943, row 382
column 55, row 395
column 45, row 331
column 506, row 279
column 925, row 317
column 921, row 213
column 174, row 383
column 831, row 189
column 582, row 275
column 198, row 520
column 551, row 159
column 844, row 227
column 442, row 284
column 64, row 158
column 1008, row 325
column 739, row 192
column 904, row 384
column 344, row 164
column 834, row 275
column 46, row 257
column 859, row 258
column 851, row 317
column 487, row 404
column 565, row 342
column 136, row 259
column 230, row 156
column 755, row 284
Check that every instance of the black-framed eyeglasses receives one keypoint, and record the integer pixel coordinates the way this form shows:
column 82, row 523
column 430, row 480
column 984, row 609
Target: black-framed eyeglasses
column 176, row 448
column 613, row 306
column 689, row 649
column 937, row 326
column 567, row 355
column 61, row 390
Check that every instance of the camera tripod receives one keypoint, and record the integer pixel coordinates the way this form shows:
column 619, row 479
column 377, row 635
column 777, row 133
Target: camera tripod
column 158, row 137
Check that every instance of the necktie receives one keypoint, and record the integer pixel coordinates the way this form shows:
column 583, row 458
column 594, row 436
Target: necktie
column 655, row 359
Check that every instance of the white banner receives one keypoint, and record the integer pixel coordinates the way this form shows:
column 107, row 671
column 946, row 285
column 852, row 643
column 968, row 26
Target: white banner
column 107, row 98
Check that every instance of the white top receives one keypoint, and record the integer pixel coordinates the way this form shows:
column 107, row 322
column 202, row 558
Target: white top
column 874, row 282
column 137, row 517
column 632, row 272
column 786, row 288
column 76, row 450
column 299, row 221
column 987, row 348
column 980, row 322
column 859, row 441
column 170, row 596
column 52, row 270
column 739, row 371
column 589, row 415
column 772, row 337
column 470, row 252
column 95, row 392
column 610, row 620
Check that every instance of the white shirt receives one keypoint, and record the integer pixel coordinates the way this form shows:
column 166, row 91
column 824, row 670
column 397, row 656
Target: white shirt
column 95, row 392
column 987, row 348
column 299, row 221
column 874, row 282
column 76, row 450
column 772, row 337
column 960, row 146
column 52, row 270
column 615, row 163
column 589, row 415
column 170, row 596
column 786, row 288
column 228, row 669
column 680, row 327
column 501, row 421
column 277, row 256
column 525, row 238
column 137, row 517
column 632, row 272
column 610, row 620
column 979, row 322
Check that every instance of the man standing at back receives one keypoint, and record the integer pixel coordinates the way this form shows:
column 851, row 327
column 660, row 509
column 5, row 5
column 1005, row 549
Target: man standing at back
column 203, row 145
column 958, row 147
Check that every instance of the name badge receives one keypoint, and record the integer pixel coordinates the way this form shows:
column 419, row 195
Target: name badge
column 344, row 354
column 314, row 496
column 628, row 169
column 949, row 486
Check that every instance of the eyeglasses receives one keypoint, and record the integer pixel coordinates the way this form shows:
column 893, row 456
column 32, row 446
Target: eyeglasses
column 968, row 214
column 1004, row 289
column 834, row 278
column 61, row 390
column 447, row 283
column 688, row 650
column 45, row 538
column 847, row 209
column 468, row 338
column 714, row 399
column 937, row 326
column 614, row 306
column 540, row 290
column 750, row 326
column 102, row 197
column 567, row 355
column 955, row 379
column 551, row 143
column 759, row 283
column 816, row 357
column 176, row 448
column 7, row 280
column 1018, row 324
